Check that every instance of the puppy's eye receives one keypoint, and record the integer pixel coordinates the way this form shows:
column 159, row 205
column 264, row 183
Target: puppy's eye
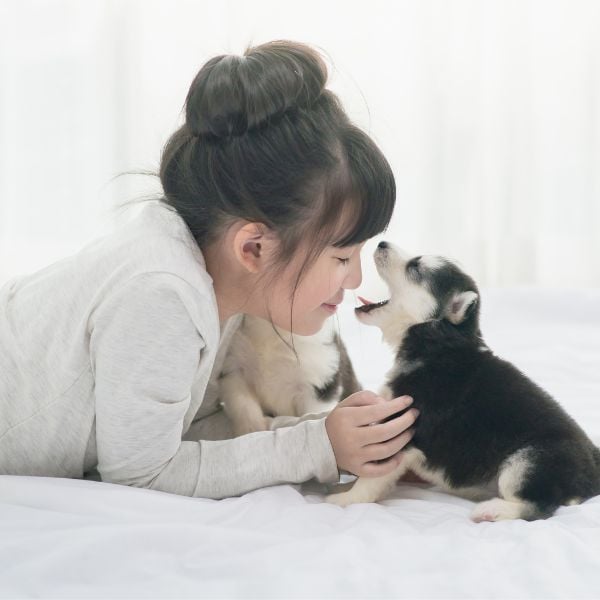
column 413, row 264
column 412, row 269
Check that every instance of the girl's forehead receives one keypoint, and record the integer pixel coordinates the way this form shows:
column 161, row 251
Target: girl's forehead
column 351, row 247
column 352, row 226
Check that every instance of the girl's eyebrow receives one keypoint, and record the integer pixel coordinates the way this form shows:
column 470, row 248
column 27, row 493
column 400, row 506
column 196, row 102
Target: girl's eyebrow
column 350, row 247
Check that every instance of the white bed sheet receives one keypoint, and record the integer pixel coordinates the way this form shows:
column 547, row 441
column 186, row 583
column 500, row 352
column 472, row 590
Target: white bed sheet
column 67, row 538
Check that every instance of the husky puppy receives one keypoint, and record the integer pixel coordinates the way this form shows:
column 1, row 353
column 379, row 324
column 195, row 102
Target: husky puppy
column 485, row 430
column 263, row 378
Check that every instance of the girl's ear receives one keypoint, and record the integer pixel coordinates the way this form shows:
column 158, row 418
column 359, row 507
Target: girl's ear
column 251, row 245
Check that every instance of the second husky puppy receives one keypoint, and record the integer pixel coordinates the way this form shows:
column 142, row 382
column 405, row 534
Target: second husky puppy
column 263, row 378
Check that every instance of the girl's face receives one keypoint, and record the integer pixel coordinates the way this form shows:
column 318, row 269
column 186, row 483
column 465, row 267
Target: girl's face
column 319, row 291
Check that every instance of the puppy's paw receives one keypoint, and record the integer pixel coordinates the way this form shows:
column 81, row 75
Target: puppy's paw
column 352, row 496
column 496, row 510
column 342, row 487
column 252, row 426
column 340, row 499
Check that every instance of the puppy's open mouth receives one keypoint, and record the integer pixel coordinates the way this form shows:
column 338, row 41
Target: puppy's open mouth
column 368, row 306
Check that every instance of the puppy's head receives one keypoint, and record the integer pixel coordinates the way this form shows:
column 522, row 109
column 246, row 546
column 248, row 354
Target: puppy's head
column 422, row 288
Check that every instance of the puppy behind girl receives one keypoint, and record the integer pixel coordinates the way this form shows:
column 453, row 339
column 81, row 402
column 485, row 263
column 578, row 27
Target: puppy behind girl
column 263, row 380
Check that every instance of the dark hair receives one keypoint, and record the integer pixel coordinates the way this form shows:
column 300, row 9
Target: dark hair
column 264, row 141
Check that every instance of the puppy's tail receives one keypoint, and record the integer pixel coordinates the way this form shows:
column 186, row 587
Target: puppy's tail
column 597, row 455
column 597, row 460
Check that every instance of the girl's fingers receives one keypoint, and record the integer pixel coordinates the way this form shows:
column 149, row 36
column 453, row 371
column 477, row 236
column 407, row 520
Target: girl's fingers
column 377, row 412
column 382, row 432
column 390, row 448
column 362, row 398
column 372, row 469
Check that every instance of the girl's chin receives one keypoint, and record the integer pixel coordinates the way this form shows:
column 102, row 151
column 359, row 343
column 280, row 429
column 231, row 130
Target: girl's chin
column 311, row 325
column 306, row 329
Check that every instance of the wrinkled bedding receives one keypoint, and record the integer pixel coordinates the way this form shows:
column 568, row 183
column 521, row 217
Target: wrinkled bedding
column 69, row 538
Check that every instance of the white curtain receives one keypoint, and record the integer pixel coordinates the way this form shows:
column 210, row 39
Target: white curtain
column 489, row 113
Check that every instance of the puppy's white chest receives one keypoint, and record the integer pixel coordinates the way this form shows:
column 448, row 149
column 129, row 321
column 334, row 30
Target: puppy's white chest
column 283, row 382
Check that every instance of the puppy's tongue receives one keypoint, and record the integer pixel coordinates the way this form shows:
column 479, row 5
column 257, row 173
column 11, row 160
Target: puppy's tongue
column 364, row 301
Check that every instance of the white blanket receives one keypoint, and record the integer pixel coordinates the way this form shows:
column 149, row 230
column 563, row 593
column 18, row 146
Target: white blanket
column 68, row 538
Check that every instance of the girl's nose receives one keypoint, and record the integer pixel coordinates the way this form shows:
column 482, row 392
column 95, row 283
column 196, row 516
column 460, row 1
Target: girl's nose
column 354, row 278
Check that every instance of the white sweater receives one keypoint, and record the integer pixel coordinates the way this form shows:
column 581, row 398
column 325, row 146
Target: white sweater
column 106, row 359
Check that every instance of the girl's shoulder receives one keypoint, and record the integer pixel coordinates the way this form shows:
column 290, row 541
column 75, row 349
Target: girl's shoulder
column 155, row 249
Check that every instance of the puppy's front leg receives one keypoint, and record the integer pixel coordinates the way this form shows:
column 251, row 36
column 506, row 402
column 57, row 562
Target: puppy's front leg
column 386, row 392
column 369, row 489
column 241, row 405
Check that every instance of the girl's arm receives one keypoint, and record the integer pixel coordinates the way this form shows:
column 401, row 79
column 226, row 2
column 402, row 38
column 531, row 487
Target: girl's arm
column 145, row 352
column 287, row 421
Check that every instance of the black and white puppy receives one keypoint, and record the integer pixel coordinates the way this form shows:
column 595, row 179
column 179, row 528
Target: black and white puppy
column 264, row 379
column 485, row 430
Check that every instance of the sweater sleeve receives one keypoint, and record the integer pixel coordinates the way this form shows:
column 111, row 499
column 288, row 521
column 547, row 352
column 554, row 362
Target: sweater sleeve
column 288, row 421
column 145, row 352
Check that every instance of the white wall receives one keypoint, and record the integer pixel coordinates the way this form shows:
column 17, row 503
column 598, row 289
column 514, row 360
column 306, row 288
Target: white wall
column 489, row 113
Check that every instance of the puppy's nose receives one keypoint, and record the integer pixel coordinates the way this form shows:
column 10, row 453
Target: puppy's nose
column 382, row 245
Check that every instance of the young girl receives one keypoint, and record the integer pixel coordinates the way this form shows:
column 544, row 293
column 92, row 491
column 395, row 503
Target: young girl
column 105, row 357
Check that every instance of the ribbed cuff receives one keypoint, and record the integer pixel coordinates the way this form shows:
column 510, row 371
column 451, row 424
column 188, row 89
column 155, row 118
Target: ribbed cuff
column 321, row 450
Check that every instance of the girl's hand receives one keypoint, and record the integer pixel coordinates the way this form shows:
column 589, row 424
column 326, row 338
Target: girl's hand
column 359, row 438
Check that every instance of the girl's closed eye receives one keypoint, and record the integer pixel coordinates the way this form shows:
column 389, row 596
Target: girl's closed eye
column 344, row 261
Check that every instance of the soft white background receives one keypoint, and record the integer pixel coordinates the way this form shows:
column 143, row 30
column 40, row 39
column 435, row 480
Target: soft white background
column 488, row 112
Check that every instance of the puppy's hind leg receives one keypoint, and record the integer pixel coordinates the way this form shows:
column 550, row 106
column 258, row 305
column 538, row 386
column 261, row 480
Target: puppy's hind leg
column 513, row 475
column 498, row 509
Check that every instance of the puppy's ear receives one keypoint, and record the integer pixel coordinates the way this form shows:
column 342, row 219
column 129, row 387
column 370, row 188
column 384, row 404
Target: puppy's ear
column 459, row 305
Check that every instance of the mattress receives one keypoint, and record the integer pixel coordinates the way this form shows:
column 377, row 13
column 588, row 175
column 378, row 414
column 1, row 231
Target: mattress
column 70, row 538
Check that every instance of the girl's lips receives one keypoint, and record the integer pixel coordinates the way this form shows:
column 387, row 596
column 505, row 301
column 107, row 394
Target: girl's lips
column 330, row 307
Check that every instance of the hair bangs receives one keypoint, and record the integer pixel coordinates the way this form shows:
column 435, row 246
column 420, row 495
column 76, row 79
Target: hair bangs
column 361, row 196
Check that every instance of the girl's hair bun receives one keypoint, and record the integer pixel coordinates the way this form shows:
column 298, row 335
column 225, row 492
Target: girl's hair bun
column 232, row 94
